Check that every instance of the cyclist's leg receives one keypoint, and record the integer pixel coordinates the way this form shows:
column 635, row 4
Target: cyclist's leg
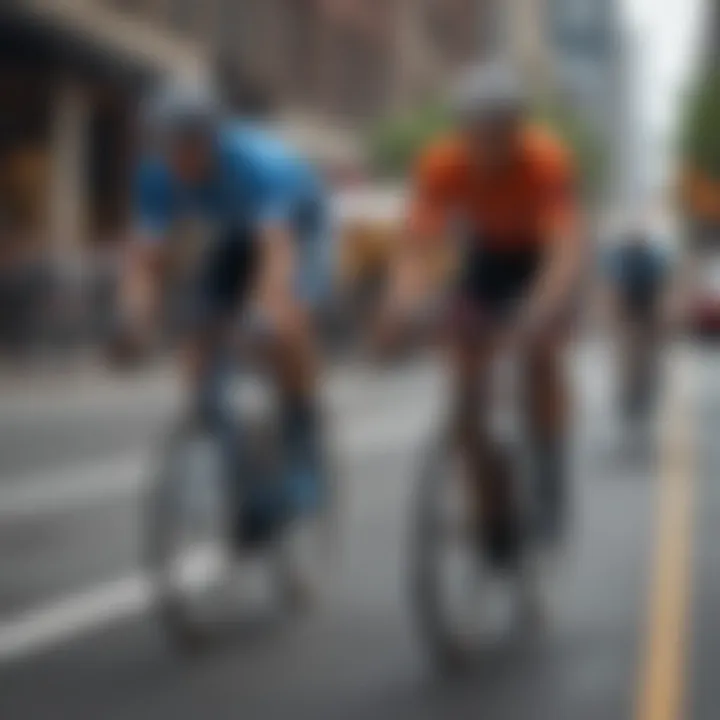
column 224, row 282
column 631, row 359
column 514, row 274
column 471, row 368
column 477, row 329
column 296, row 362
column 547, row 395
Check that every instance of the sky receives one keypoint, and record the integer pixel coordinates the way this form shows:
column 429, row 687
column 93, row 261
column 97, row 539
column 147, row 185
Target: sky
column 667, row 33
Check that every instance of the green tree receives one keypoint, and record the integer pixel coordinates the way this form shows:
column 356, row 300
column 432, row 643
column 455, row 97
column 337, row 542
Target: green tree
column 395, row 142
column 584, row 143
column 700, row 128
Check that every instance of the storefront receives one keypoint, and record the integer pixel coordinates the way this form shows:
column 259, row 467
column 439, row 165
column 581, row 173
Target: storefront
column 68, row 92
column 64, row 139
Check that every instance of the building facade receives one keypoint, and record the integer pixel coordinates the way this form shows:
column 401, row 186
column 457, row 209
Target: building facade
column 348, row 60
column 71, row 72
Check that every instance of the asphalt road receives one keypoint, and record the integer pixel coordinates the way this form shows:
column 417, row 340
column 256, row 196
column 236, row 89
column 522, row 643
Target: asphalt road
column 631, row 630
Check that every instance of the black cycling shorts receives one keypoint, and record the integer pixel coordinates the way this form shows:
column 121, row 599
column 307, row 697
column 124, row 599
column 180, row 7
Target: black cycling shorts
column 227, row 275
column 495, row 282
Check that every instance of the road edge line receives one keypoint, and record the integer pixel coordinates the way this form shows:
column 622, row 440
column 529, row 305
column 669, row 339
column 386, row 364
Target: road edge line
column 661, row 693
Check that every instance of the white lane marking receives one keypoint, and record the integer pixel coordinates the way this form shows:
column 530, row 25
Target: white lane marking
column 109, row 479
column 47, row 625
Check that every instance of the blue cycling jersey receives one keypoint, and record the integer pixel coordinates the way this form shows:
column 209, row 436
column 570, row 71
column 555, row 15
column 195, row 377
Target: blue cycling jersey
column 257, row 179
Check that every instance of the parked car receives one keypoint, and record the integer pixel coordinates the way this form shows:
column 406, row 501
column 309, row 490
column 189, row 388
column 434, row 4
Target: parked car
column 705, row 300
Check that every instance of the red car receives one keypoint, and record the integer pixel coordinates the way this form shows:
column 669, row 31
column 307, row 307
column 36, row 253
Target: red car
column 705, row 303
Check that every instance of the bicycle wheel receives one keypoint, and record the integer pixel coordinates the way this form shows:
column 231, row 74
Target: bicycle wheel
column 459, row 602
column 188, row 535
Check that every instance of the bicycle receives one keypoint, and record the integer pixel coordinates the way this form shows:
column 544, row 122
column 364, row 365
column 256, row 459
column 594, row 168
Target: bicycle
column 202, row 517
column 445, row 508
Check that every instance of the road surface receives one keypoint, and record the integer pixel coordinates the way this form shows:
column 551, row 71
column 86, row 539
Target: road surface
column 632, row 631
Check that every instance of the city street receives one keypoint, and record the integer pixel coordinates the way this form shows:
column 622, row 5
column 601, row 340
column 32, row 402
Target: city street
column 631, row 631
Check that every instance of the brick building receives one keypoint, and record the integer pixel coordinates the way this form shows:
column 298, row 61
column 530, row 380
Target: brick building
column 349, row 60
column 71, row 72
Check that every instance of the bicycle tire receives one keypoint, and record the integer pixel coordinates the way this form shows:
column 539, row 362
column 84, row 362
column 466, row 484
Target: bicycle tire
column 183, row 631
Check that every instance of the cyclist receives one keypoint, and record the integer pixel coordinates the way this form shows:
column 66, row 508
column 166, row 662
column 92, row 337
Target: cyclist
column 265, row 212
column 638, row 268
column 504, row 187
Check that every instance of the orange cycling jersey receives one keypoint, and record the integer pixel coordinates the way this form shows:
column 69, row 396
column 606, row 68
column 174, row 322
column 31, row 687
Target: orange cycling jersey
column 521, row 205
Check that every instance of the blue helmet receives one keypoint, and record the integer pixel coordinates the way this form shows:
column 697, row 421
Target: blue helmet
column 181, row 108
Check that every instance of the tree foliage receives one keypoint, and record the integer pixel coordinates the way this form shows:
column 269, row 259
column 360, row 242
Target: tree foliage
column 396, row 141
column 700, row 129
column 585, row 145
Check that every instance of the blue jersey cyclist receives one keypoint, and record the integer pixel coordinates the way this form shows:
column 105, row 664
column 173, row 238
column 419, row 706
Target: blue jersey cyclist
column 265, row 214
column 638, row 269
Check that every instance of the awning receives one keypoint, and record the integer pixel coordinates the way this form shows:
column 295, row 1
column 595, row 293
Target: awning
column 129, row 38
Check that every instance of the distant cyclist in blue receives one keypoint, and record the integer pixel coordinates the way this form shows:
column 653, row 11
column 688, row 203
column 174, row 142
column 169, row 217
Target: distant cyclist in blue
column 638, row 271
column 638, row 268
column 268, row 240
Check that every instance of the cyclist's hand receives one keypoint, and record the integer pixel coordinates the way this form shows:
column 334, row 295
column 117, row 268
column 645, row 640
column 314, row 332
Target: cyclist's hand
column 387, row 332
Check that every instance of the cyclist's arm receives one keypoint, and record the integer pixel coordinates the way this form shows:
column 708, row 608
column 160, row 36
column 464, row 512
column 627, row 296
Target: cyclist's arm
column 566, row 249
column 277, row 266
column 145, row 254
column 273, row 220
column 419, row 253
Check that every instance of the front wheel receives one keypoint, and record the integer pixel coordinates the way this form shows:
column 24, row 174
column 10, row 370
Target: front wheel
column 460, row 600
column 188, row 534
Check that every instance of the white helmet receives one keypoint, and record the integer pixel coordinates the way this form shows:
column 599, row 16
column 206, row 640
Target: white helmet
column 486, row 90
column 178, row 108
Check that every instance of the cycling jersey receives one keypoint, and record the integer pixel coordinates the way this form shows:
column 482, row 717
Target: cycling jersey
column 256, row 180
column 522, row 204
